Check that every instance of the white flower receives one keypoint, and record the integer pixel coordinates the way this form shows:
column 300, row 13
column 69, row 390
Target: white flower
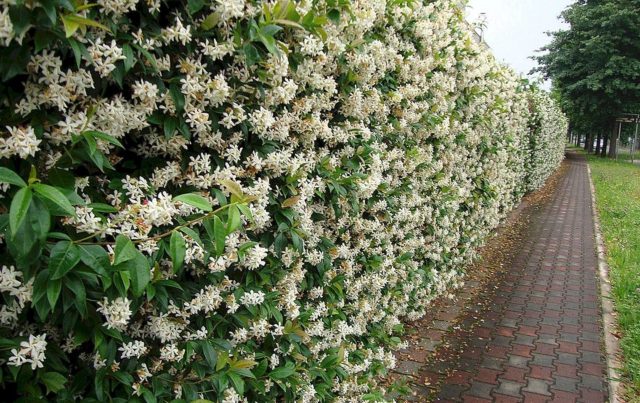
column 134, row 348
column 171, row 352
column 229, row 9
column 6, row 27
column 105, row 56
column 117, row 312
column 254, row 257
column 31, row 351
column 252, row 298
column 22, row 142
column 261, row 120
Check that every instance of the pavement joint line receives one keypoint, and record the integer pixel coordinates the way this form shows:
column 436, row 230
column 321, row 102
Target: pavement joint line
column 612, row 344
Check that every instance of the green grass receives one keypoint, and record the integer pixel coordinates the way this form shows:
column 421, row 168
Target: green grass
column 617, row 185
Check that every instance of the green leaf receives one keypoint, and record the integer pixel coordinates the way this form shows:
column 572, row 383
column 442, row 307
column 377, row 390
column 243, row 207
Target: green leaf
column 95, row 257
column 140, row 273
column 177, row 250
column 53, row 291
column 75, row 284
column 55, row 196
column 65, row 256
column 104, row 136
column 14, row 60
column 53, row 381
column 39, row 219
column 194, row 200
column 194, row 6
column 19, row 207
column 10, row 177
column 125, row 250
column 102, row 208
column 210, row 22
column 265, row 34
column 237, row 381
column 91, row 142
column 282, row 372
column 220, row 234
column 43, row 39
column 20, row 19
column 209, row 354
column 234, row 222
column 233, row 188
column 72, row 22
column 49, row 7
column 70, row 26
column 251, row 54
column 177, row 96
column 77, row 48
column 130, row 59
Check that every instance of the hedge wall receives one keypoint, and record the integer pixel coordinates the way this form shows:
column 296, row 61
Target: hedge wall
column 238, row 200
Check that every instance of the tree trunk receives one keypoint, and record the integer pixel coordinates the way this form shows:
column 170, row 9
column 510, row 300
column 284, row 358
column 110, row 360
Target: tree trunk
column 588, row 140
column 598, row 140
column 613, row 146
column 603, row 152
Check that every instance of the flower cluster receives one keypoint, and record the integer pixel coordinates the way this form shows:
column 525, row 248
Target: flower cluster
column 243, row 200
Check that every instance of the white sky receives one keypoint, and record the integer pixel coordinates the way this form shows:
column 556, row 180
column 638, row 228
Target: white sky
column 516, row 28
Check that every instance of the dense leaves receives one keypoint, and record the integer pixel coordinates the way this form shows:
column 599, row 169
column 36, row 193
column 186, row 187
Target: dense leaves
column 595, row 64
column 237, row 200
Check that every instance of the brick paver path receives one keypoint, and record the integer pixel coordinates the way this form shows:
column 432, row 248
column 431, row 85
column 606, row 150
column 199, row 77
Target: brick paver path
column 540, row 337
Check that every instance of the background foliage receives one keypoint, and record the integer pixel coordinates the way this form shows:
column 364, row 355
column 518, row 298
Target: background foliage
column 232, row 200
column 595, row 64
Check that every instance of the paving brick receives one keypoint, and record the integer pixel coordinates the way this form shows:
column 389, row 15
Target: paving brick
column 540, row 372
column 568, row 358
column 570, row 371
column 459, row 378
column 567, row 347
column 565, row 397
column 472, row 399
column 591, row 357
column 488, row 375
column 544, row 348
column 505, row 399
column 509, row 388
column 537, row 335
column 543, row 360
column 534, row 398
column 480, row 389
column 451, row 392
column 565, row 384
column 538, row 386
column 592, row 368
column 514, row 374
column 592, row 382
column 407, row 367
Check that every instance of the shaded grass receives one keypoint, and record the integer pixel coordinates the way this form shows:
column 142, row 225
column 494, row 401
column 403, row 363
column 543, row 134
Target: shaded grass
column 617, row 185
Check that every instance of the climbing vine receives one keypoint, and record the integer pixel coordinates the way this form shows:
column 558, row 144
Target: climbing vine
column 239, row 200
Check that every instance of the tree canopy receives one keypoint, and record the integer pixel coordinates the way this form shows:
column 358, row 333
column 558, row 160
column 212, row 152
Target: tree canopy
column 595, row 64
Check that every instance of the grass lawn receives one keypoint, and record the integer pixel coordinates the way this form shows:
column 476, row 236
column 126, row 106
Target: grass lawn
column 617, row 186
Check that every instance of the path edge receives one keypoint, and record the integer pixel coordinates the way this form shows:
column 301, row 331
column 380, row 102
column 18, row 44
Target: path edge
column 612, row 344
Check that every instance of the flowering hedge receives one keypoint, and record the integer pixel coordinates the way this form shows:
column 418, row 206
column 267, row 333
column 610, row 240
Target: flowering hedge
column 241, row 201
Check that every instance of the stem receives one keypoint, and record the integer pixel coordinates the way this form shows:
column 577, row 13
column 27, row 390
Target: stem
column 81, row 241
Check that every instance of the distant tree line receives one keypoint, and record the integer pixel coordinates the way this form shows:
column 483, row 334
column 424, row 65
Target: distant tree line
column 595, row 69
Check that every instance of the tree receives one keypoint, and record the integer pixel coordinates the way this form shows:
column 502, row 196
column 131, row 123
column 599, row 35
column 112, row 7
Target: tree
column 595, row 64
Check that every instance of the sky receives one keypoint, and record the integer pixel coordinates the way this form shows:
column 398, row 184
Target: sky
column 516, row 28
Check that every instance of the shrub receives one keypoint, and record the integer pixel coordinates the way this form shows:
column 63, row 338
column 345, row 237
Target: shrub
column 233, row 200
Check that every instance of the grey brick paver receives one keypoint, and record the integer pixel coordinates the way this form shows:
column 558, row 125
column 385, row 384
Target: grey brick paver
column 548, row 300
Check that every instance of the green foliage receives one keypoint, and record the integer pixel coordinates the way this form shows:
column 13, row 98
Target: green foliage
column 617, row 186
column 595, row 64
column 143, row 202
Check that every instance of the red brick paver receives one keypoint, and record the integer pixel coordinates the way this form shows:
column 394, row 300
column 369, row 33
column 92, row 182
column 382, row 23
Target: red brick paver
column 540, row 337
